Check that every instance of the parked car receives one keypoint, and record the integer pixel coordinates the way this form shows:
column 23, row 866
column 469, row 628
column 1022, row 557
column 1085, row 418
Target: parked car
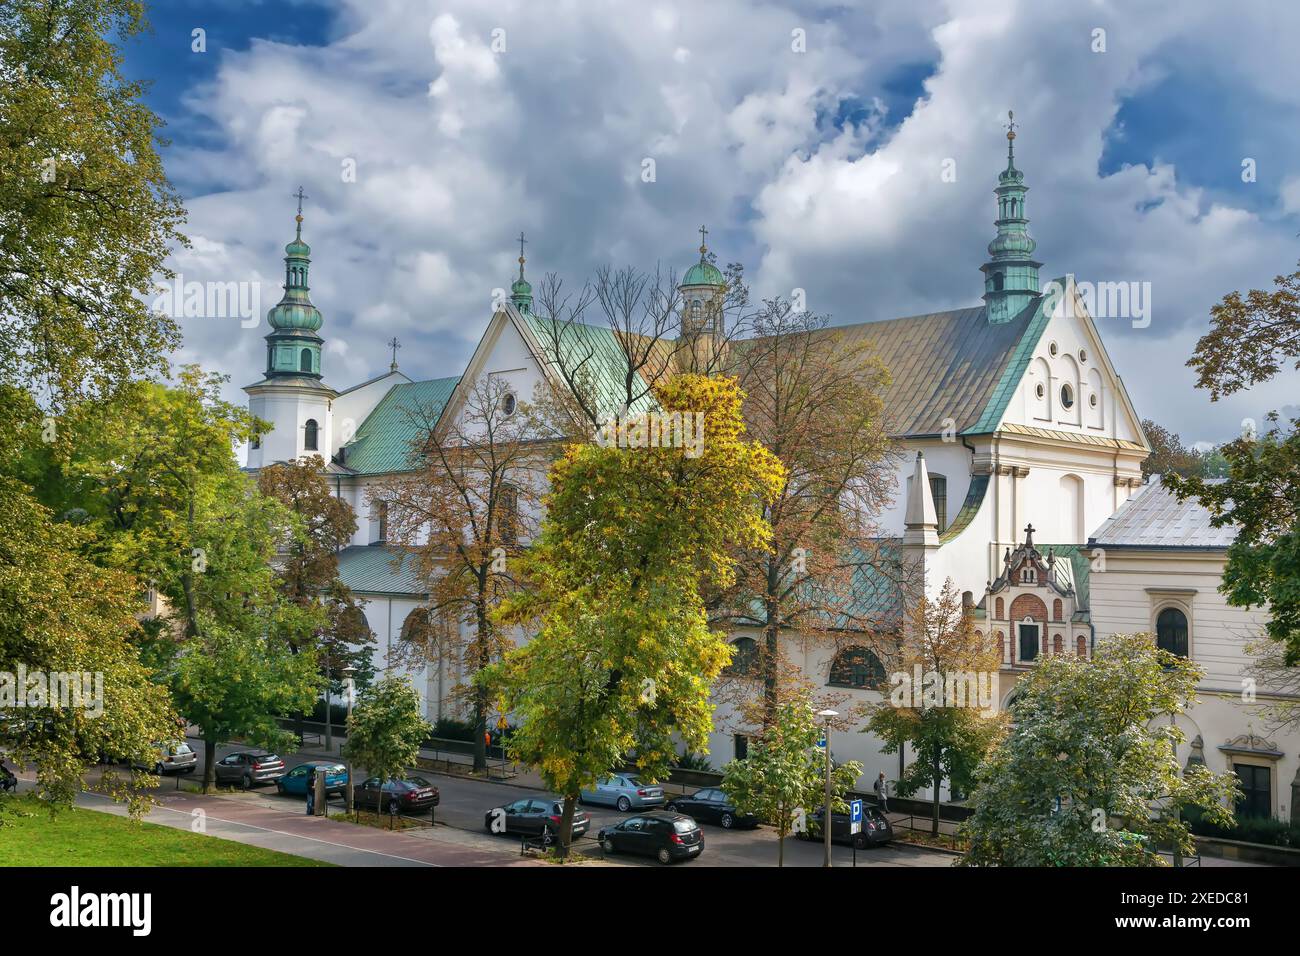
column 665, row 836
column 711, row 805
column 626, row 792
column 249, row 768
column 295, row 781
column 170, row 758
column 534, row 816
column 411, row 793
column 876, row 829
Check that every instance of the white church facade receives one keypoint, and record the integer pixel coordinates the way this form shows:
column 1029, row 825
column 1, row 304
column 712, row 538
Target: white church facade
column 1019, row 479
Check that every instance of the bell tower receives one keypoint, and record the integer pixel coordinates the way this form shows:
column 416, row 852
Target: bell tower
column 293, row 398
column 1011, row 274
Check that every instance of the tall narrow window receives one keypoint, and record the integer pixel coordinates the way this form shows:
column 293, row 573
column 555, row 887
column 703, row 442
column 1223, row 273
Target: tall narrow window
column 939, row 492
column 1171, row 631
column 1256, row 790
column 304, row 361
column 383, row 522
column 310, row 435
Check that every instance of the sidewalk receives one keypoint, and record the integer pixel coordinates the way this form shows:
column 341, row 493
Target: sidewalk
column 317, row 838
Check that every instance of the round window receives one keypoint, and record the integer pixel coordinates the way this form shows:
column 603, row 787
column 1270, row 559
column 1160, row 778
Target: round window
column 1067, row 397
column 1052, row 348
column 1039, row 390
column 1083, row 355
column 508, row 403
column 1092, row 400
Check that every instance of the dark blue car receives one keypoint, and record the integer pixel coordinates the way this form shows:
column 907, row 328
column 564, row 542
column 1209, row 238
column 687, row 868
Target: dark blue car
column 295, row 781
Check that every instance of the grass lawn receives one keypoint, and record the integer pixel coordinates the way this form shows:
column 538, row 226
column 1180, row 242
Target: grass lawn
column 30, row 836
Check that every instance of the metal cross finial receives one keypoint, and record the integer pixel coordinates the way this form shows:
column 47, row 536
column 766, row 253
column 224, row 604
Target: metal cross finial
column 1011, row 125
column 522, row 240
column 301, row 196
column 394, row 345
column 703, row 237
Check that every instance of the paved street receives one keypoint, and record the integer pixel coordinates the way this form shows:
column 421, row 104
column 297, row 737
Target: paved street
column 265, row 819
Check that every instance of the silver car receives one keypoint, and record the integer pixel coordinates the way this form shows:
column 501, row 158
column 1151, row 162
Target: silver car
column 626, row 792
column 171, row 758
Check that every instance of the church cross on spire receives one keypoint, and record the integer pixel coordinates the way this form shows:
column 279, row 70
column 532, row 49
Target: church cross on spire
column 394, row 345
column 298, row 218
column 522, row 240
column 704, row 233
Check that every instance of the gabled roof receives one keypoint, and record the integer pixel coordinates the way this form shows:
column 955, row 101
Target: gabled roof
column 383, row 442
column 950, row 370
column 378, row 569
column 1154, row 519
column 594, row 353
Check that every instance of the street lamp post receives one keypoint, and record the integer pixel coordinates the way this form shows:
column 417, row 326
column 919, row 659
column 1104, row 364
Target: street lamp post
column 350, row 690
column 828, row 716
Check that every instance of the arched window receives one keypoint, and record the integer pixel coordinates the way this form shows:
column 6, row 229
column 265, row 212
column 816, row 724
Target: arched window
column 310, row 435
column 939, row 492
column 1058, row 645
column 997, row 282
column 1001, row 609
column 744, row 657
column 304, row 361
column 857, row 667
column 382, row 512
column 1080, row 646
column 1171, row 631
column 1057, row 609
column 417, row 629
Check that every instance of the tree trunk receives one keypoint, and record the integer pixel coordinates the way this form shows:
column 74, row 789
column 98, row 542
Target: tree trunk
column 937, row 779
column 209, row 764
column 565, row 835
column 481, row 700
column 780, row 848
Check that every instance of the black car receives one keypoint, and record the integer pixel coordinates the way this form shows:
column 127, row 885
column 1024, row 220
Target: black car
column 409, row 793
column 535, row 816
column 876, row 829
column 665, row 836
column 711, row 805
column 249, row 768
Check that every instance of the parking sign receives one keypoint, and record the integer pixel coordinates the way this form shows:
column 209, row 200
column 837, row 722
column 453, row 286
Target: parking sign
column 855, row 816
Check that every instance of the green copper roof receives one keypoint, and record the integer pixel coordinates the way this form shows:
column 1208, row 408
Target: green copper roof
column 703, row 273
column 594, row 352
column 383, row 442
column 377, row 569
column 979, row 486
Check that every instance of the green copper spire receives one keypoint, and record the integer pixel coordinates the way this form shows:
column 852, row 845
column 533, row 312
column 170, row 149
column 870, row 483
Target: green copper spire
column 293, row 347
column 521, row 293
column 1011, row 275
column 703, row 272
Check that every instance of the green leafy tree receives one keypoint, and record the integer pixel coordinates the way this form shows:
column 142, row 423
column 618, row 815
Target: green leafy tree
column 1251, row 338
column 1088, row 775
column 948, row 738
column 624, row 659
column 785, row 772
column 59, row 613
column 88, row 214
column 231, row 683
column 386, row 728
column 1261, row 496
column 1168, row 454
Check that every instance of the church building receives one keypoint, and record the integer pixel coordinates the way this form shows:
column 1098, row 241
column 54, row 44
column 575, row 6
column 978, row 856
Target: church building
column 1019, row 479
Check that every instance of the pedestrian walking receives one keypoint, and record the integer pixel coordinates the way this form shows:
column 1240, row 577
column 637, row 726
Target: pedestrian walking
column 311, row 793
column 882, row 793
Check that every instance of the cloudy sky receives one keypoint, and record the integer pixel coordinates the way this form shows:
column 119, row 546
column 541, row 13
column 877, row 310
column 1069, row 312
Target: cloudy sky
column 812, row 138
